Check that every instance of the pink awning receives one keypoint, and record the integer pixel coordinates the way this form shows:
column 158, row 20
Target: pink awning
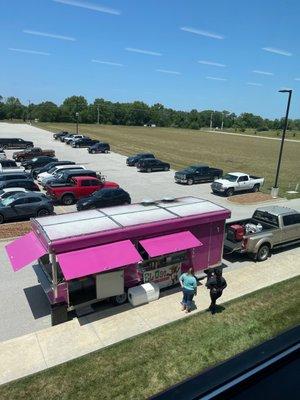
column 170, row 243
column 24, row 251
column 93, row 260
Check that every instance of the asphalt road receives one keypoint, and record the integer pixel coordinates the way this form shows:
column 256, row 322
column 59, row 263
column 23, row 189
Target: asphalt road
column 24, row 308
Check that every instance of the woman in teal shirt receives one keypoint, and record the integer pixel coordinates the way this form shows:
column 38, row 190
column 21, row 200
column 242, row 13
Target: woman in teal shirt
column 188, row 283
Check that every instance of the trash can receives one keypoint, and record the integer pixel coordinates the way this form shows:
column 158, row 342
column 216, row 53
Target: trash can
column 59, row 313
column 143, row 294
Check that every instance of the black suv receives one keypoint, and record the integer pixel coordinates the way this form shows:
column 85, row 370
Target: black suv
column 15, row 144
column 197, row 173
column 23, row 183
column 99, row 147
column 8, row 164
column 133, row 160
column 84, row 142
column 104, row 198
column 58, row 135
column 152, row 164
column 66, row 175
column 38, row 162
column 7, row 176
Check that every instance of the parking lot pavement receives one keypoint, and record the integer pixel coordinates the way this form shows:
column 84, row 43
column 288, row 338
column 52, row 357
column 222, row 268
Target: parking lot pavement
column 24, row 308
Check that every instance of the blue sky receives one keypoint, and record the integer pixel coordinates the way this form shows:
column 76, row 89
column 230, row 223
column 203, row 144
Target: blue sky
column 150, row 50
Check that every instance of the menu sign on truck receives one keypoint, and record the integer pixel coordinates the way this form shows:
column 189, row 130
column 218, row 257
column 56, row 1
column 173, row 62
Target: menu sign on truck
column 163, row 277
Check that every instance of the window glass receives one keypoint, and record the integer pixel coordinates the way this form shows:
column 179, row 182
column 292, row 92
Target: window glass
column 21, row 201
column 34, row 200
column 86, row 183
column 291, row 219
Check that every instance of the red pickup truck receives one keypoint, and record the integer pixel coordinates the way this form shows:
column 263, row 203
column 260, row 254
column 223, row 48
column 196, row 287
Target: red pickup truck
column 79, row 186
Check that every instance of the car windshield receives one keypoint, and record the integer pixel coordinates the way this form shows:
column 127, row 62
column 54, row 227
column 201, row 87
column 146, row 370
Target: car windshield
column 34, row 159
column 191, row 169
column 51, row 170
column 230, row 178
column 10, row 199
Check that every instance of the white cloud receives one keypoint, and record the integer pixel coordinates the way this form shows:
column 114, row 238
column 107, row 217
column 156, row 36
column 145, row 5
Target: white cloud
column 89, row 6
column 215, row 64
column 41, row 53
column 202, row 33
column 107, row 63
column 254, row 84
column 50, row 35
column 150, row 53
column 256, row 71
column 167, row 71
column 277, row 51
column 215, row 78
column 297, row 79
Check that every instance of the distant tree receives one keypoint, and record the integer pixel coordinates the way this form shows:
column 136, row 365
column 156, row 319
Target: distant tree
column 14, row 108
column 45, row 112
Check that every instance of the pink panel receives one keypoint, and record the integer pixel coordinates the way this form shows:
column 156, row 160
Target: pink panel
column 170, row 243
column 76, row 264
column 24, row 251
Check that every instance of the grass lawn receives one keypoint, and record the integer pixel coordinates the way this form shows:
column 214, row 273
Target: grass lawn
column 182, row 147
column 142, row 366
column 294, row 135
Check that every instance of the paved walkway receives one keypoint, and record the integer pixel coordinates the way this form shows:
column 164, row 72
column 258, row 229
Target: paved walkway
column 49, row 347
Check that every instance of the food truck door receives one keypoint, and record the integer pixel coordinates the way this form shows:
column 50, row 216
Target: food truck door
column 110, row 284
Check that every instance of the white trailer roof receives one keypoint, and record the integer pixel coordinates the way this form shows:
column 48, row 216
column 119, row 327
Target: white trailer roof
column 104, row 219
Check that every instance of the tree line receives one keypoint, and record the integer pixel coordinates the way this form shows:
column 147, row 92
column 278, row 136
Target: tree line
column 136, row 113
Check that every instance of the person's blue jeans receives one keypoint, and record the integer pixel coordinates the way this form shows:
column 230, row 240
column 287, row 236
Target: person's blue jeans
column 187, row 298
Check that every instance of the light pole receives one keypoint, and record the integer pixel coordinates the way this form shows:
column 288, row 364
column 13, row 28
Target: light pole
column 222, row 124
column 77, row 116
column 275, row 189
column 98, row 114
column 28, row 114
column 211, row 120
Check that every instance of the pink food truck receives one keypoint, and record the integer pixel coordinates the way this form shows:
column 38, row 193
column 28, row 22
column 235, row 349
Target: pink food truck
column 99, row 254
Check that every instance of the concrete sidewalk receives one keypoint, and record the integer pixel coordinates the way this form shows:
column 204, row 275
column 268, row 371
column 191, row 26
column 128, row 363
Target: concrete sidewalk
column 49, row 347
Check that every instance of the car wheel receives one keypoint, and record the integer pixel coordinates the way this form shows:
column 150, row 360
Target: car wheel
column 255, row 188
column 149, row 170
column 93, row 152
column 28, row 146
column 166, row 169
column 1, row 219
column 105, row 151
column 263, row 252
column 4, row 147
column 43, row 212
column 229, row 192
column 68, row 199
column 120, row 299
column 215, row 177
column 21, row 159
column 190, row 181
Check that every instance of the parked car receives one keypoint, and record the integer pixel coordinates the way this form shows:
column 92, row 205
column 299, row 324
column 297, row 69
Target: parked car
column 31, row 153
column 70, row 140
column 4, row 193
column 66, row 137
column 25, row 205
column 197, row 174
column 15, row 143
column 58, row 135
column 65, row 176
column 269, row 228
column 10, row 166
column 133, row 160
column 99, row 147
column 38, row 162
column 85, row 142
column 152, row 164
column 78, row 187
column 55, row 172
column 8, row 176
column 2, row 155
column 28, row 184
column 36, row 171
column 237, row 182
column 104, row 198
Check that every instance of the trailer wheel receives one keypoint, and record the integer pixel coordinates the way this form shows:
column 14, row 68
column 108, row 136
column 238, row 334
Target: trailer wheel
column 120, row 299
column 68, row 199
column 263, row 252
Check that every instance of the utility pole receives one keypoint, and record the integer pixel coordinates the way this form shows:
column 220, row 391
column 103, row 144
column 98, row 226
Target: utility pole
column 222, row 124
column 98, row 114
column 275, row 188
column 211, row 116
column 28, row 114
column 77, row 116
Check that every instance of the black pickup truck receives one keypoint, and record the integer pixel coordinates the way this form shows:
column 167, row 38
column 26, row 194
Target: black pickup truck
column 197, row 173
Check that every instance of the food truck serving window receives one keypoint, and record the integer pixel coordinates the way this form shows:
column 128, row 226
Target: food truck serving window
column 79, row 263
column 170, row 243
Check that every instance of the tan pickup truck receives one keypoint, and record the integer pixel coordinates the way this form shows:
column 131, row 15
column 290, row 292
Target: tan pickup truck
column 31, row 153
column 269, row 228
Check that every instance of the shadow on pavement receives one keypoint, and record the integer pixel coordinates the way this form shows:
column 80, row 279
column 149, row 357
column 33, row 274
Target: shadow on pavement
column 37, row 301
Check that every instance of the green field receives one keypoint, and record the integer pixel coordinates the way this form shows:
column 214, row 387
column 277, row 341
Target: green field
column 182, row 147
column 141, row 366
column 294, row 135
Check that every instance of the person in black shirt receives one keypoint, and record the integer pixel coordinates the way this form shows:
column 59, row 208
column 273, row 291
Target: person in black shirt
column 216, row 284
